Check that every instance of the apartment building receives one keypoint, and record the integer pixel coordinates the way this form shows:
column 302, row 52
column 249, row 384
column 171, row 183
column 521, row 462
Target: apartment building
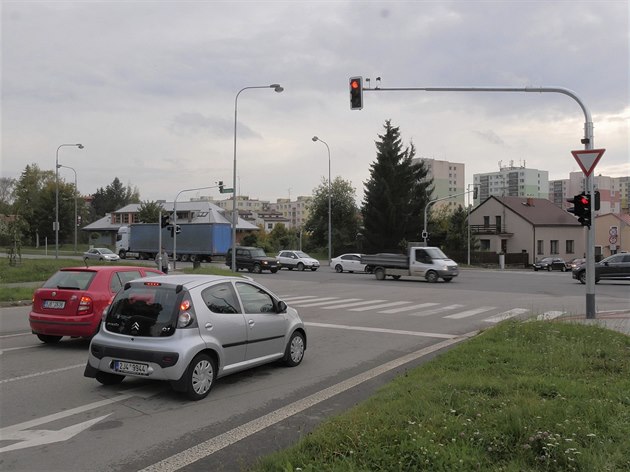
column 448, row 179
column 512, row 181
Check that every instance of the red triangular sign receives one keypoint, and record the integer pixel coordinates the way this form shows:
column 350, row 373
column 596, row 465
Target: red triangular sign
column 588, row 159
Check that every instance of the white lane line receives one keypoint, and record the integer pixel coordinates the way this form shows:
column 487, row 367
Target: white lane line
column 45, row 372
column 9, row 349
column 467, row 313
column 382, row 330
column 346, row 305
column 408, row 308
column 506, row 314
column 327, row 302
column 376, row 307
column 217, row 443
column 304, row 297
column 437, row 310
column 14, row 335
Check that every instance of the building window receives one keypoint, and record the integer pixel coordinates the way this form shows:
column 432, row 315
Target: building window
column 484, row 244
column 553, row 246
column 540, row 247
column 569, row 247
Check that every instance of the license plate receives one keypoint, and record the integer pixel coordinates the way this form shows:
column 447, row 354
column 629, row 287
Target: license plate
column 131, row 368
column 54, row 304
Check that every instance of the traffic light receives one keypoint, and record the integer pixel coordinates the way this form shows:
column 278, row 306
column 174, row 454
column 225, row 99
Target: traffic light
column 356, row 93
column 174, row 229
column 475, row 193
column 597, row 202
column 581, row 208
column 220, row 186
column 165, row 221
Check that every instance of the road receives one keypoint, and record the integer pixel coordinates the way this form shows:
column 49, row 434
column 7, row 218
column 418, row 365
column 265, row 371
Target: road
column 362, row 332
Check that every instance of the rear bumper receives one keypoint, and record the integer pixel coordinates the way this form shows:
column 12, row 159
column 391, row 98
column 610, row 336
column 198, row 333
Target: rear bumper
column 76, row 326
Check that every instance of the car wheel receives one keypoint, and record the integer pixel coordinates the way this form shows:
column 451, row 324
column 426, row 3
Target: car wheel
column 535, row 269
column 564, row 269
column 431, row 276
column 338, row 269
column 379, row 274
column 300, row 266
column 122, row 254
column 106, row 378
column 193, row 258
column 447, row 279
column 295, row 350
column 200, row 377
column 256, row 269
column 48, row 339
column 184, row 257
column 582, row 278
column 273, row 271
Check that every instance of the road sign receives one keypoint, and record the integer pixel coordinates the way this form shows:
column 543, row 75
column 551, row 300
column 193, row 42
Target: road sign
column 588, row 159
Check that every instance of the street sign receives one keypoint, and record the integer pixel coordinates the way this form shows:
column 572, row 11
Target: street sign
column 587, row 160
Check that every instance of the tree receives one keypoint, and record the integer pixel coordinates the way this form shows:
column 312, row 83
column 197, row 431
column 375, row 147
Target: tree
column 149, row 212
column 344, row 216
column 7, row 196
column 395, row 195
column 35, row 202
column 113, row 197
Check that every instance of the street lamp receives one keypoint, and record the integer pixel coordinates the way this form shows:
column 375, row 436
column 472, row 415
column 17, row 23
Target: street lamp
column 75, row 204
column 80, row 146
column 278, row 89
column 315, row 139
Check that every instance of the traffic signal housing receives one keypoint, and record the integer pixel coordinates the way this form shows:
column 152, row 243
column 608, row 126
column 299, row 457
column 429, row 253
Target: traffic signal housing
column 581, row 208
column 356, row 93
column 164, row 222
column 220, row 186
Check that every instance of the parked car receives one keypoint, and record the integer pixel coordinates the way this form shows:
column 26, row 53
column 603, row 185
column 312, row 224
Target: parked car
column 347, row 262
column 100, row 254
column 253, row 259
column 71, row 302
column 297, row 260
column 551, row 263
column 616, row 266
column 192, row 329
column 577, row 262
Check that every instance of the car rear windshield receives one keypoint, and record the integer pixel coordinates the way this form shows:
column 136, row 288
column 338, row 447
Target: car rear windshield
column 144, row 311
column 70, row 279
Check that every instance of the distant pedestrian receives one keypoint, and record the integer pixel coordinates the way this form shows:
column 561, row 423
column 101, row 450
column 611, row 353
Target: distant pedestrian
column 164, row 255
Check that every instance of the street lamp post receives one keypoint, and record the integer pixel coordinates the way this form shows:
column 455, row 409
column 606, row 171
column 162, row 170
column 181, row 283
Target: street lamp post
column 80, row 146
column 278, row 89
column 75, row 204
column 315, row 139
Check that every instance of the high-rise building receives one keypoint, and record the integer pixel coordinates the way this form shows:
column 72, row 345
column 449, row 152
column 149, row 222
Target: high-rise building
column 512, row 181
column 448, row 179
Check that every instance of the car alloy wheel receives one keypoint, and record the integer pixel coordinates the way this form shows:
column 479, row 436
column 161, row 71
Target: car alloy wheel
column 338, row 269
column 431, row 276
column 200, row 377
column 300, row 266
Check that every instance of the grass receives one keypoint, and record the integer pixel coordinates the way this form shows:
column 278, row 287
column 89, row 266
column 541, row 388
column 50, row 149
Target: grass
column 535, row 396
column 30, row 271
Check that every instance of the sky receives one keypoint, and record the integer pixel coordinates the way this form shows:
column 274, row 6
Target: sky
column 150, row 89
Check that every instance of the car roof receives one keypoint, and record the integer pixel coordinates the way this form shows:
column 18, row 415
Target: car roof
column 191, row 280
column 104, row 268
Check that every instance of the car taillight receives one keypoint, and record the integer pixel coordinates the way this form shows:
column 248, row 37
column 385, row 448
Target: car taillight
column 85, row 305
column 186, row 314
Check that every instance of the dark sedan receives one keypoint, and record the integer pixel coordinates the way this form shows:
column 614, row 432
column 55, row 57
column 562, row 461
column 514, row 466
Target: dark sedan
column 551, row 263
column 616, row 266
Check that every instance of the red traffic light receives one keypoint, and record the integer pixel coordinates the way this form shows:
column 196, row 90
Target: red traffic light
column 583, row 200
column 354, row 84
column 356, row 93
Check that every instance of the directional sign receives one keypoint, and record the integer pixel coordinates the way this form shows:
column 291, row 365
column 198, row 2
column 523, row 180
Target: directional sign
column 587, row 160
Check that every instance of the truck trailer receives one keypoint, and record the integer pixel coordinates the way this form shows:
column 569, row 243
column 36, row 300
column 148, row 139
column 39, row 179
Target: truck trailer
column 420, row 261
column 195, row 242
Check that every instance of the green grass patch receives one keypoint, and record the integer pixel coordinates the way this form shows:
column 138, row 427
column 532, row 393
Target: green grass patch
column 535, row 396
column 33, row 270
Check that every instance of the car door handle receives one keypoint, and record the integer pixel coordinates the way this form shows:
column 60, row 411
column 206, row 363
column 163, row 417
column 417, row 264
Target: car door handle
column 209, row 326
column 251, row 322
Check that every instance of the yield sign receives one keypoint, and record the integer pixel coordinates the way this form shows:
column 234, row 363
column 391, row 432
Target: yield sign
column 588, row 159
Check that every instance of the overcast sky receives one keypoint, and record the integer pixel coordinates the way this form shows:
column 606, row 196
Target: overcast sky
column 149, row 87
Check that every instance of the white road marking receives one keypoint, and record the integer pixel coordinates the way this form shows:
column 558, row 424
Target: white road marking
column 9, row 349
column 376, row 307
column 326, row 302
column 217, row 443
column 45, row 372
column 438, row 310
column 297, row 298
column 382, row 330
column 14, row 335
column 473, row 312
column 408, row 308
column 505, row 315
column 346, row 305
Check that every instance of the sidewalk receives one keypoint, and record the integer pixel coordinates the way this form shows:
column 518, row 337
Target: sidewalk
column 615, row 320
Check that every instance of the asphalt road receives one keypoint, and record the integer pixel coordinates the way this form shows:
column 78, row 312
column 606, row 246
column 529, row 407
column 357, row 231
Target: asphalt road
column 361, row 333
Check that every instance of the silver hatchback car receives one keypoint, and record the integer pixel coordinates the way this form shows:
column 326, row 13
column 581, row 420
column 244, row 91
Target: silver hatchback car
column 191, row 330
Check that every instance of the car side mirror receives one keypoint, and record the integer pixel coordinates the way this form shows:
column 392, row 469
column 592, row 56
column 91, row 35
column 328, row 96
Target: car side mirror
column 282, row 307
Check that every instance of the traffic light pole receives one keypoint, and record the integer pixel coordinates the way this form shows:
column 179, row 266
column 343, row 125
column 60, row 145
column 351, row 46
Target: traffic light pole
column 588, row 142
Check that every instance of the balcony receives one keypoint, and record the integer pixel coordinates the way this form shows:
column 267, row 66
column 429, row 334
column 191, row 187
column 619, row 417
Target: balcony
column 490, row 229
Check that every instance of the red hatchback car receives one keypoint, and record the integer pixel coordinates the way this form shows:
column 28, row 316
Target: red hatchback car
column 72, row 301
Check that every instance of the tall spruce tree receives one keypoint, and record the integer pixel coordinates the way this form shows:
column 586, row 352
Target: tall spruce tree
column 395, row 195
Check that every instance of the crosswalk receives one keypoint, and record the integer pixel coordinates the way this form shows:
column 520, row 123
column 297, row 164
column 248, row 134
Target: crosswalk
column 490, row 314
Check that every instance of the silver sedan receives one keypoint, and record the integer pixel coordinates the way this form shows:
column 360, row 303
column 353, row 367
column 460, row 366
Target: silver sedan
column 100, row 254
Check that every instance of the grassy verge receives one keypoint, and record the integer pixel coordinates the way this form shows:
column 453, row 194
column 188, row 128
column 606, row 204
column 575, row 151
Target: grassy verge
column 30, row 270
column 537, row 396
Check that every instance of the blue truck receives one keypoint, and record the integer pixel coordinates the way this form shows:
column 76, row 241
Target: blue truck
column 195, row 242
